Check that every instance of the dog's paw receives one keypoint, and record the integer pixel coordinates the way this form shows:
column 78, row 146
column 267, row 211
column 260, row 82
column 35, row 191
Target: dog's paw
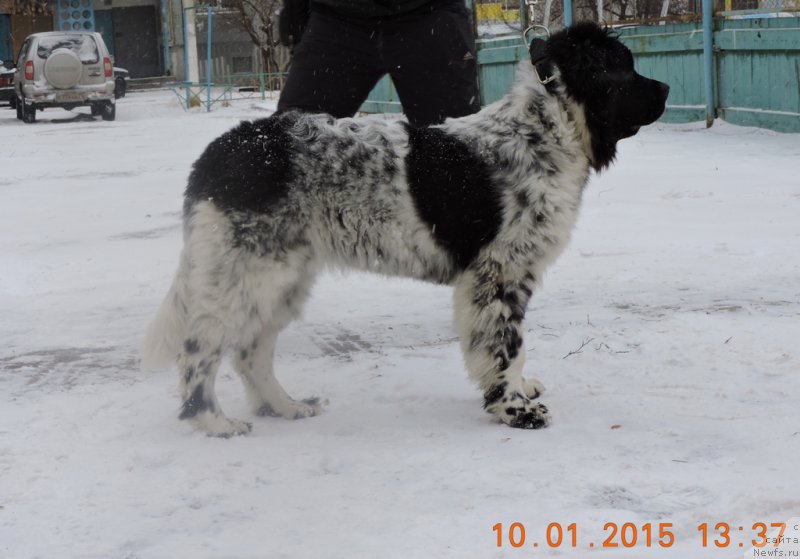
column 516, row 409
column 221, row 426
column 308, row 407
column 532, row 388
column 526, row 416
column 293, row 409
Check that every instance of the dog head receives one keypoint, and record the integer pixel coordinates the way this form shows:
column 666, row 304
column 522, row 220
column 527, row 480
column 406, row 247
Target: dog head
column 597, row 71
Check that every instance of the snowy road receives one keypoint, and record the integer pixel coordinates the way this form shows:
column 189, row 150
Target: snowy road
column 667, row 337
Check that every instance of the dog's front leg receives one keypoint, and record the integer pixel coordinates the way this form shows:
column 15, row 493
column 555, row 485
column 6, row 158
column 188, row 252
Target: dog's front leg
column 490, row 305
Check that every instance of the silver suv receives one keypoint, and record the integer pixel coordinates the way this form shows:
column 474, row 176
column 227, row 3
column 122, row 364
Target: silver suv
column 65, row 69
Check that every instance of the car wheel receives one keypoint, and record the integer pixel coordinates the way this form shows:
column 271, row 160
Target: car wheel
column 28, row 113
column 13, row 102
column 108, row 111
column 120, row 88
column 96, row 109
column 19, row 109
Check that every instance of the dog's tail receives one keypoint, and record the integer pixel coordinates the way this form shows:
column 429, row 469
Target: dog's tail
column 162, row 340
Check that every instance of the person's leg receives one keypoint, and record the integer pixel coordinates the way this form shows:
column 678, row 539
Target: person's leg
column 433, row 63
column 334, row 67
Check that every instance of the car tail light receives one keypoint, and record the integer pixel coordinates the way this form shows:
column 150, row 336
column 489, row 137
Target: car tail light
column 4, row 81
column 107, row 67
column 29, row 70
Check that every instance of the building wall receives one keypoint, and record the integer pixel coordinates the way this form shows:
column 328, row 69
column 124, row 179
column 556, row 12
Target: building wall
column 132, row 30
column 133, row 33
column 22, row 26
column 6, row 48
column 147, row 37
column 232, row 50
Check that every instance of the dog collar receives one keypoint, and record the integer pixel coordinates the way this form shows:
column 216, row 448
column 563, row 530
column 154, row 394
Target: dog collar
column 538, row 56
column 545, row 80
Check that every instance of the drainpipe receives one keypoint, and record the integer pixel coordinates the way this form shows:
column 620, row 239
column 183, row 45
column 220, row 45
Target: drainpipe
column 165, row 37
column 568, row 13
column 708, row 60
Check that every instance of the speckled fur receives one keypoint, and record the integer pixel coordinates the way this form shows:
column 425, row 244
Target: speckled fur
column 484, row 203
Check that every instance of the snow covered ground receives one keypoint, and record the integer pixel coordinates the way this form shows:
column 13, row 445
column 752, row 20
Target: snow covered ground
column 667, row 336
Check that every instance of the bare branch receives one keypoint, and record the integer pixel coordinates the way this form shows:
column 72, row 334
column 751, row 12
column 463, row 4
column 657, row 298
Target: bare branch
column 586, row 342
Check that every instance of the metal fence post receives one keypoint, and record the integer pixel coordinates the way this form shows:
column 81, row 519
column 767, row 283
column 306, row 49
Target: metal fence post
column 567, row 13
column 708, row 60
column 263, row 84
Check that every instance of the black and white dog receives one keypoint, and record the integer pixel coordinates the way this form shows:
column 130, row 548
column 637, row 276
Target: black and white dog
column 483, row 203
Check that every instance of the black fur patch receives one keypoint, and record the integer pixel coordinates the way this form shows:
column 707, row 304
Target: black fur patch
column 453, row 192
column 536, row 418
column 597, row 70
column 494, row 394
column 197, row 403
column 188, row 374
column 267, row 410
column 247, row 168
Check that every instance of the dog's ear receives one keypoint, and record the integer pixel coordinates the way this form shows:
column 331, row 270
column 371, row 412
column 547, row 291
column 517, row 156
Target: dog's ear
column 537, row 50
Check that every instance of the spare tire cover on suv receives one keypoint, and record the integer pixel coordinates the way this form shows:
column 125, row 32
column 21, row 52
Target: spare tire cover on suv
column 63, row 69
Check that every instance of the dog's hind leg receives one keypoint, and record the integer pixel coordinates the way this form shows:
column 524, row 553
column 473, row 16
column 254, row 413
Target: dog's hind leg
column 490, row 306
column 216, row 287
column 255, row 362
column 198, row 364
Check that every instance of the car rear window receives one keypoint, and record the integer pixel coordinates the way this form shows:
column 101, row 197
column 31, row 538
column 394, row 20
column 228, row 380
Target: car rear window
column 82, row 45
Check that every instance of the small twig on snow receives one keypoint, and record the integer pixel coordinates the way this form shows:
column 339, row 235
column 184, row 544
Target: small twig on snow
column 610, row 350
column 580, row 349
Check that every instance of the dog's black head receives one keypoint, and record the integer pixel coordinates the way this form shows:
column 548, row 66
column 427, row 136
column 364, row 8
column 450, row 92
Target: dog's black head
column 597, row 71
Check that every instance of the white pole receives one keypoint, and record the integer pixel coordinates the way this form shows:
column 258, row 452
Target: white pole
column 547, row 6
column 192, row 64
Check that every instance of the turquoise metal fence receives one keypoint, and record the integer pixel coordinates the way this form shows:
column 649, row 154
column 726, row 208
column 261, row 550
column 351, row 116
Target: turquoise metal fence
column 672, row 53
column 758, row 66
column 757, row 69
column 755, row 82
column 497, row 63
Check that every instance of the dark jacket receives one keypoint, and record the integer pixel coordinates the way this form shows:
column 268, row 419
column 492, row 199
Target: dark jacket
column 293, row 17
column 377, row 8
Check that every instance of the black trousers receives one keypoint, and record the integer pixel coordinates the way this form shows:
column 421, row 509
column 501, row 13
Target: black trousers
column 430, row 56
